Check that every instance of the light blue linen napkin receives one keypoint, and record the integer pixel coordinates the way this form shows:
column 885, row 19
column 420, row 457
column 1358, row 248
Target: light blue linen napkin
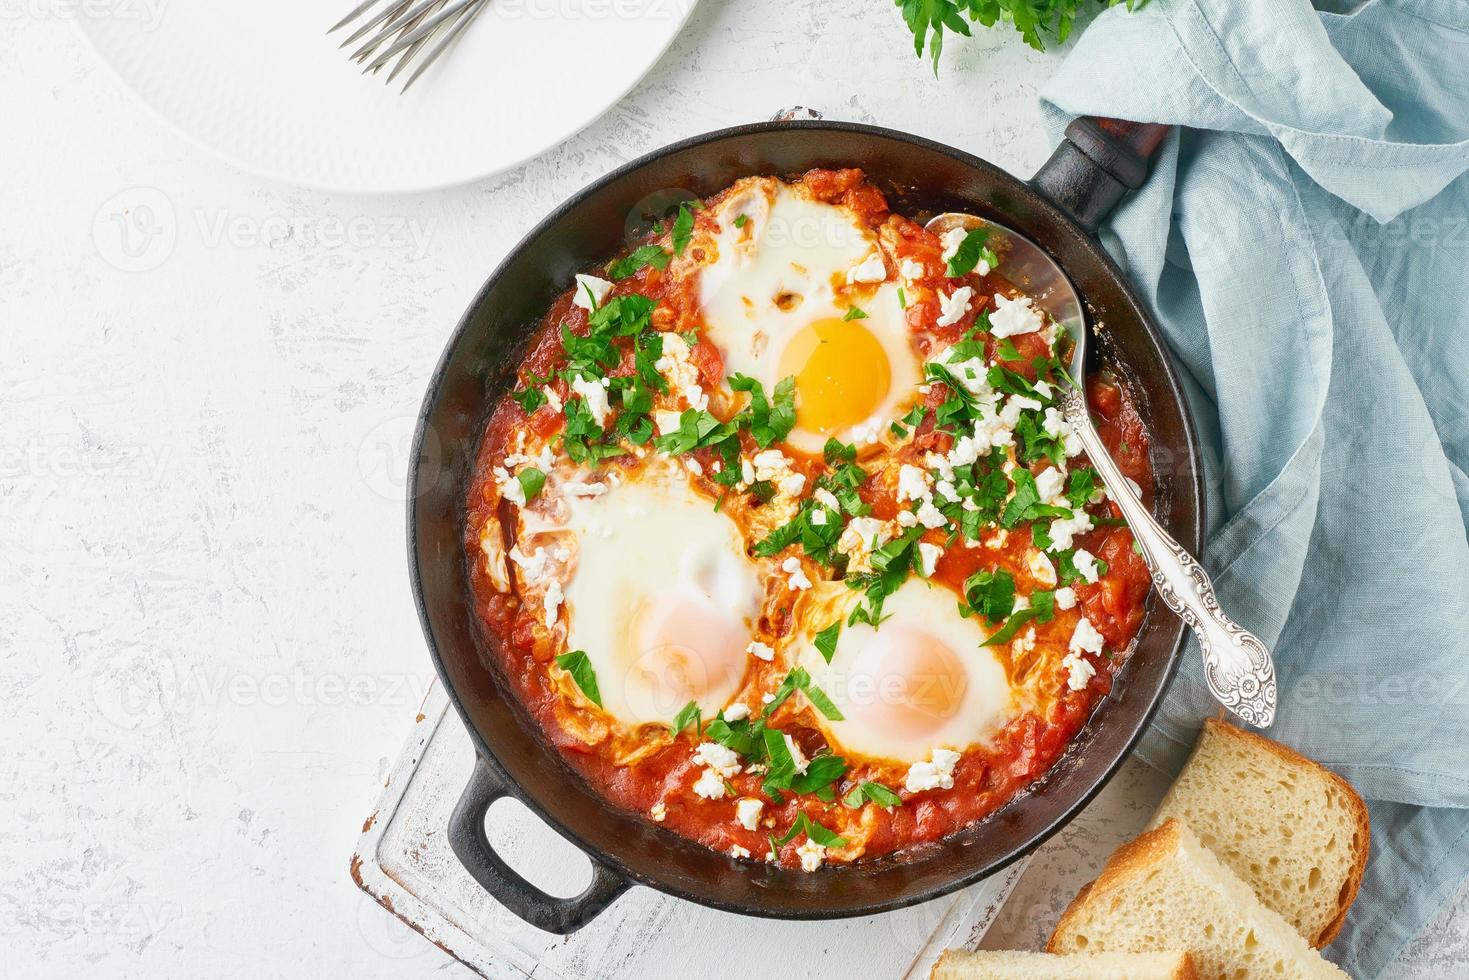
column 1306, row 246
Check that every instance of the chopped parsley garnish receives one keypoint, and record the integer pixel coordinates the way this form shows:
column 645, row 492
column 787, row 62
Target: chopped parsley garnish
column 799, row 680
column 637, row 259
column 1042, row 609
column 741, row 220
column 530, row 398
column 826, row 640
column 688, row 716
column 891, row 565
column 902, row 299
column 1081, row 485
column 579, row 666
column 853, row 313
column 868, row 791
column 990, row 593
column 768, row 423
column 813, row 830
column 531, row 481
column 683, row 228
column 696, row 429
column 970, row 252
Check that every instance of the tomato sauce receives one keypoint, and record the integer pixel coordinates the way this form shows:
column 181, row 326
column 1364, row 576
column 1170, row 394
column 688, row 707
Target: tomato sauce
column 988, row 775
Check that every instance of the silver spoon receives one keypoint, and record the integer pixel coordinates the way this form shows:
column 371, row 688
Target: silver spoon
column 1237, row 667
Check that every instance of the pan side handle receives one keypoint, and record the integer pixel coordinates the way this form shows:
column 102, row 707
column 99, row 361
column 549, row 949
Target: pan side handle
column 1098, row 162
column 471, row 845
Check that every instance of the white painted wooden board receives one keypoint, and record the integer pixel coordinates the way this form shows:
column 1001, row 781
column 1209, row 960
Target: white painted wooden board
column 403, row 859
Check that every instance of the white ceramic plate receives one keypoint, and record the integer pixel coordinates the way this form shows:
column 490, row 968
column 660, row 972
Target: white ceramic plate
column 261, row 83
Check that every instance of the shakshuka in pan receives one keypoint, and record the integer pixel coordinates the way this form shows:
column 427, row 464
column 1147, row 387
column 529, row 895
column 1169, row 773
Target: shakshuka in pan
column 781, row 538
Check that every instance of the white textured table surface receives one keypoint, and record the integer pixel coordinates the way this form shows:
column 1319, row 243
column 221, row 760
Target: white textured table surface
column 208, row 654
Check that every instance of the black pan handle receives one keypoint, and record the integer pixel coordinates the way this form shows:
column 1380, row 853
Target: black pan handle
column 471, row 845
column 1098, row 162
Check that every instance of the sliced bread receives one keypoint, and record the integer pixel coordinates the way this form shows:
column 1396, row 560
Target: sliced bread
column 1166, row 891
column 1005, row 965
column 1294, row 831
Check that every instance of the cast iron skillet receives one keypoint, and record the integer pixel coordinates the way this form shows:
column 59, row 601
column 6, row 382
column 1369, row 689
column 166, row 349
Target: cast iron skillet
column 1059, row 208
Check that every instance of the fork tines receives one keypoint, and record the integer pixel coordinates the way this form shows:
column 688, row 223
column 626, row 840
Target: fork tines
column 415, row 32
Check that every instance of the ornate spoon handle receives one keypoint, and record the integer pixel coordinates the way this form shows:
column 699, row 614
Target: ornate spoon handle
column 1237, row 667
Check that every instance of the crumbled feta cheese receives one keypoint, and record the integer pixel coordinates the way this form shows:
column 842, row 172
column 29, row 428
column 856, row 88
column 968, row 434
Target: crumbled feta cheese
column 861, row 537
column 1016, row 404
column 666, row 421
column 760, row 651
column 1086, row 564
column 1063, row 530
column 811, row 854
column 1054, row 423
column 797, row 580
column 998, row 539
column 552, row 399
column 738, row 711
column 1049, row 483
column 1079, row 670
column 947, row 490
column 973, row 374
column 532, row 565
column 867, row 433
column 694, row 466
column 738, row 852
column 1013, row 317
column 552, row 602
column 747, row 812
column 709, row 785
column 575, row 488
column 1024, row 643
column 1085, row 639
column 1021, row 602
column 930, row 516
column 658, row 812
column 1043, row 388
column 912, row 270
column 747, row 472
column 509, row 486
column 797, row 756
column 791, row 484
column 1065, row 598
column 719, row 758
column 953, row 306
column 590, row 291
column 818, row 517
column 952, row 239
column 912, row 483
column 826, row 498
column 907, row 518
column 678, row 368
column 594, row 395
column 771, row 464
column 1041, row 569
column 937, row 773
column 928, row 556
column 870, row 269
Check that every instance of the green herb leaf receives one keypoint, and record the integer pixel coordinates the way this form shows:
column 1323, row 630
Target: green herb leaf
column 579, row 666
column 870, row 791
column 683, row 229
column 689, row 715
column 969, row 252
column 767, row 423
column 990, row 593
column 853, row 313
column 741, row 220
column 826, row 640
column 637, row 259
column 531, row 481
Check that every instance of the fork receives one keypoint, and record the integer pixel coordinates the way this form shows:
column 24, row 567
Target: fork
column 403, row 29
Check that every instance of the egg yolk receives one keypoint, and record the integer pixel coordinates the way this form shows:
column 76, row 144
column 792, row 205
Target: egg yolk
column 684, row 649
column 842, row 374
column 916, row 679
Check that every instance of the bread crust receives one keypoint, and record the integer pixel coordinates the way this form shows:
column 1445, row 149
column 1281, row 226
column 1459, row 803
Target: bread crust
column 1183, row 971
column 1223, row 729
column 1131, row 859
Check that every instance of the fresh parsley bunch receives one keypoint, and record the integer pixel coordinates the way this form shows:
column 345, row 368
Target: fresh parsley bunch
column 927, row 19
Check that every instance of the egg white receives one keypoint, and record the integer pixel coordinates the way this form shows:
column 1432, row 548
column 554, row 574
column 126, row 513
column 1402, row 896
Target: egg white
column 896, row 710
column 644, row 548
column 786, row 266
